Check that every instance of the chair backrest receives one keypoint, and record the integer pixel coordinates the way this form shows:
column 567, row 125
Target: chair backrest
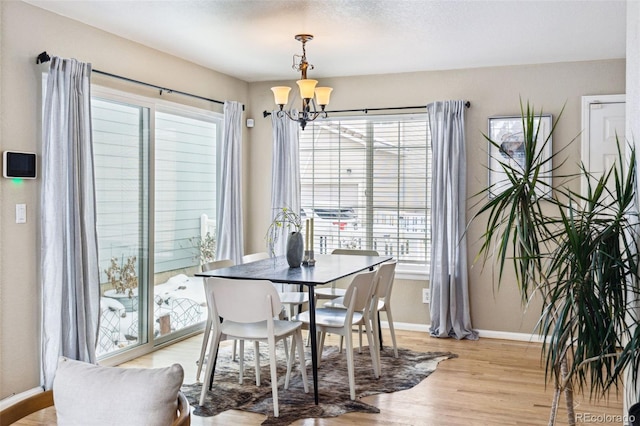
column 255, row 256
column 42, row 400
column 355, row 252
column 211, row 266
column 360, row 292
column 217, row 264
column 25, row 407
column 386, row 274
column 242, row 301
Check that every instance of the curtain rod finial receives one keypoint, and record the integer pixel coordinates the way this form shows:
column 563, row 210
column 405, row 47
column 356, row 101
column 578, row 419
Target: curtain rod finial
column 43, row 57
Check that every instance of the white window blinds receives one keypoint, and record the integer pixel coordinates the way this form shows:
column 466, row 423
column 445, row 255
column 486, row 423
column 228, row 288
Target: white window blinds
column 366, row 182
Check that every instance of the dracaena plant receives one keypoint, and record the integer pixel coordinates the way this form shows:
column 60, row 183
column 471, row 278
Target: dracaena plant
column 578, row 253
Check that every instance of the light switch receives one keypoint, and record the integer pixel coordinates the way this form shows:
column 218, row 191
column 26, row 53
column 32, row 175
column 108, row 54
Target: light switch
column 21, row 213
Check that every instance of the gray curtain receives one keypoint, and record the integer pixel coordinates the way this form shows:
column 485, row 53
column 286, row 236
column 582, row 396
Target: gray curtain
column 70, row 273
column 285, row 171
column 449, row 288
column 230, row 237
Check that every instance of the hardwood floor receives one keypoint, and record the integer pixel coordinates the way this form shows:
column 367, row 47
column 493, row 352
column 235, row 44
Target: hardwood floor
column 492, row 382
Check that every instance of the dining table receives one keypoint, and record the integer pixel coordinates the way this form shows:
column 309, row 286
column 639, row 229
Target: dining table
column 327, row 268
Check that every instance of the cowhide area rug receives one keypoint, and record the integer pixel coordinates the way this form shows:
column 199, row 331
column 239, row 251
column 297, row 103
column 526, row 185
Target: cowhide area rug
column 404, row 372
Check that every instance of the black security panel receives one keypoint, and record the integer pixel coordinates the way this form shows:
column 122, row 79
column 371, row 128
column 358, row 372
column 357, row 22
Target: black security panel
column 19, row 165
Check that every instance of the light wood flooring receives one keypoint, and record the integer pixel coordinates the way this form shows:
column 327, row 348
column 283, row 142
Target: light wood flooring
column 492, row 382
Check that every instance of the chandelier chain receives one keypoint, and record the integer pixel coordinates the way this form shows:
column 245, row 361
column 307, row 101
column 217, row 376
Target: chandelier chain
column 303, row 65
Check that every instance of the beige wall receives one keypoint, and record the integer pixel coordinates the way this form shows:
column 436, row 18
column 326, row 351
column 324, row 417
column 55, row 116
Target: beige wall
column 491, row 91
column 27, row 31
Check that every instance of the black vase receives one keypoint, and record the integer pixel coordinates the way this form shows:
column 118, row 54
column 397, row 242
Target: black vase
column 295, row 249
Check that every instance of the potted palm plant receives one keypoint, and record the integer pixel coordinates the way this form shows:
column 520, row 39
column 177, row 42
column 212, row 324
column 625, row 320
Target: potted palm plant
column 579, row 254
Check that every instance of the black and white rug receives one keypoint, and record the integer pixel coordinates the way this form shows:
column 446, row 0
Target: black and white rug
column 404, row 372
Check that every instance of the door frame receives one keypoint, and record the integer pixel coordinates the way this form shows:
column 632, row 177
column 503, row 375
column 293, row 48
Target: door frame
column 585, row 147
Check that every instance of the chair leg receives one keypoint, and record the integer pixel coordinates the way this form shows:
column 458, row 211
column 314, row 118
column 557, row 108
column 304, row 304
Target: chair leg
column 290, row 358
column 360, row 339
column 215, row 341
column 274, row 377
column 285, row 342
column 203, row 350
column 303, row 365
column 256, row 349
column 372, row 338
column 352, row 380
column 235, row 344
column 241, row 361
column 321, row 346
column 393, row 331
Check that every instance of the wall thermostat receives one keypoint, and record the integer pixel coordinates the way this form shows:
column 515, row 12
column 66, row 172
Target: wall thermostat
column 20, row 165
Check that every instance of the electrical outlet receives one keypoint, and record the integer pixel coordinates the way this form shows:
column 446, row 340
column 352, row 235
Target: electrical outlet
column 426, row 295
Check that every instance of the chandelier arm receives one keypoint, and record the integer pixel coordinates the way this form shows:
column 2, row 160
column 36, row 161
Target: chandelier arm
column 282, row 113
column 312, row 115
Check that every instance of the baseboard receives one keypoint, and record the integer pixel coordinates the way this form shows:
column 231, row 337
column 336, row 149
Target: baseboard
column 9, row 401
column 507, row 335
column 406, row 326
column 487, row 334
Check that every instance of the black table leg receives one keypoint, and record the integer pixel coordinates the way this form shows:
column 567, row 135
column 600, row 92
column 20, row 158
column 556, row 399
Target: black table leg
column 314, row 345
column 213, row 370
column 300, row 289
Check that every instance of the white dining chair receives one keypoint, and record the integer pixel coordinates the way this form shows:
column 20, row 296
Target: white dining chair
column 385, row 277
column 217, row 264
column 248, row 308
column 333, row 292
column 359, row 300
column 252, row 257
column 290, row 299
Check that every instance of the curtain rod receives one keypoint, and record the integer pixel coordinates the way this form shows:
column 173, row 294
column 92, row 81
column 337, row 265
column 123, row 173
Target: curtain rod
column 366, row 110
column 44, row 57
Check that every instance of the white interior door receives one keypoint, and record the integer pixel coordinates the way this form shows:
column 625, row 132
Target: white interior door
column 603, row 123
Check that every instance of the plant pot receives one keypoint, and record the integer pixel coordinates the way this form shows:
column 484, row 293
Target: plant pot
column 295, row 249
column 634, row 414
column 130, row 303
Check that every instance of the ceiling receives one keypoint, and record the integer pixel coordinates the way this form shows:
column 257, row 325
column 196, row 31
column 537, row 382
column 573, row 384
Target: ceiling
column 254, row 39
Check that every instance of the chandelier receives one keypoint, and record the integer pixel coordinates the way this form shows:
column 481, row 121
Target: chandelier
column 312, row 96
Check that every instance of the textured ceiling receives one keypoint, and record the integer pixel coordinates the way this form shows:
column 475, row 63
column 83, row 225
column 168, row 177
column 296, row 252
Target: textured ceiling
column 254, row 39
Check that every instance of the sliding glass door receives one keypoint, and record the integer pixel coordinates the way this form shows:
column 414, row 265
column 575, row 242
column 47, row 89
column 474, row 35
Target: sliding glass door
column 156, row 212
column 121, row 152
column 185, row 205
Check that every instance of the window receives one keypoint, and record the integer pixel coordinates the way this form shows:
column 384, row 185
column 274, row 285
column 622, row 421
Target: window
column 155, row 166
column 366, row 181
